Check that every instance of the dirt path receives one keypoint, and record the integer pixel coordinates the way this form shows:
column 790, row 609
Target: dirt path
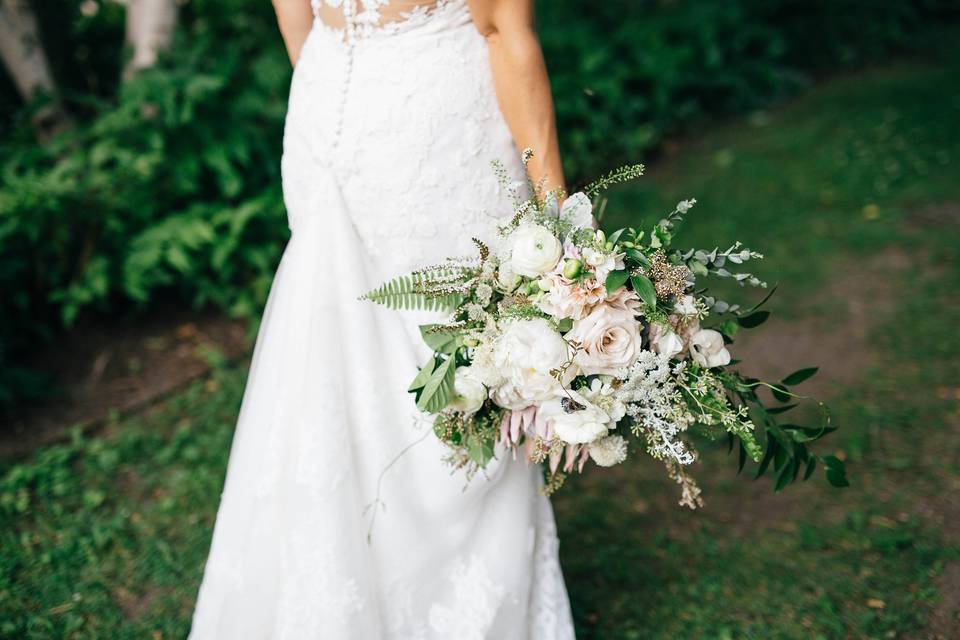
column 121, row 367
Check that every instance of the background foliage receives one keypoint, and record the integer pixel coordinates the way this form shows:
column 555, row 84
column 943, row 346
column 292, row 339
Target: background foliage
column 168, row 186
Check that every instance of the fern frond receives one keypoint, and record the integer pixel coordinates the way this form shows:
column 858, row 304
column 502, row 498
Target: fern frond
column 436, row 288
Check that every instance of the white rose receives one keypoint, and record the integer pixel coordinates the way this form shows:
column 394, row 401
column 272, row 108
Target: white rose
column 707, row 349
column 685, row 306
column 609, row 451
column 534, row 250
column 578, row 426
column 609, row 336
column 469, row 392
column 524, row 354
column 665, row 341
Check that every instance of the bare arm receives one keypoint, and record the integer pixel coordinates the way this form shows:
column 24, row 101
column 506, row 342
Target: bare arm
column 295, row 19
column 521, row 82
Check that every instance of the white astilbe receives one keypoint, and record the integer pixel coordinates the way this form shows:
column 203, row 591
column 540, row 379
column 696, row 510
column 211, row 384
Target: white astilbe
column 652, row 399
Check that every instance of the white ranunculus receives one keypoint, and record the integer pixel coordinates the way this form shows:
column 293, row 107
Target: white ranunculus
column 579, row 426
column 609, row 451
column 685, row 306
column 609, row 336
column 707, row 349
column 468, row 391
column 534, row 250
column 524, row 354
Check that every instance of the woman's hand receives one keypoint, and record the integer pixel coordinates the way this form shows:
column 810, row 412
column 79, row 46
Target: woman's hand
column 521, row 82
column 295, row 18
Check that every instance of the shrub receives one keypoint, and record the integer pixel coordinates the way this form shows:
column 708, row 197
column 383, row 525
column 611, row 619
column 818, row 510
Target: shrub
column 169, row 184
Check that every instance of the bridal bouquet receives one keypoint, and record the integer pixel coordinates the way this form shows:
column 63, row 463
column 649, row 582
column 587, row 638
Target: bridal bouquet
column 569, row 345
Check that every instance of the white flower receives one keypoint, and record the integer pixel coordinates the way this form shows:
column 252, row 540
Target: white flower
column 686, row 306
column 602, row 263
column 484, row 291
column 469, row 392
column 602, row 393
column 577, row 426
column 534, row 250
column 609, row 451
column 483, row 364
column 609, row 335
column 665, row 341
column 507, row 278
column 685, row 205
column 524, row 355
column 576, row 209
column 706, row 348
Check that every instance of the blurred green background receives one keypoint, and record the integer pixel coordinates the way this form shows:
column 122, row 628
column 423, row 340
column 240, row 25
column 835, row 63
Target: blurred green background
column 824, row 133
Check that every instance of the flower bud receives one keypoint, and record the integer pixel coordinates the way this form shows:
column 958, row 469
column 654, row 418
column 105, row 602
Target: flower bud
column 544, row 284
column 572, row 268
column 608, row 246
column 601, row 236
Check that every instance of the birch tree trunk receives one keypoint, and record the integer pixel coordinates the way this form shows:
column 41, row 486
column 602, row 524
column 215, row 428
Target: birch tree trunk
column 21, row 49
column 22, row 52
column 150, row 25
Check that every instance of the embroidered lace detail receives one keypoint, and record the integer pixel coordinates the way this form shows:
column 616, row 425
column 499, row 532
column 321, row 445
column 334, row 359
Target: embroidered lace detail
column 365, row 18
column 475, row 600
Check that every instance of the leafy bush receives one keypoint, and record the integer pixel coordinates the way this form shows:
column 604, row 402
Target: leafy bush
column 169, row 184
column 173, row 186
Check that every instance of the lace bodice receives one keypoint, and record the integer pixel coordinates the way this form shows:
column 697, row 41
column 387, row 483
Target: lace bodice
column 364, row 18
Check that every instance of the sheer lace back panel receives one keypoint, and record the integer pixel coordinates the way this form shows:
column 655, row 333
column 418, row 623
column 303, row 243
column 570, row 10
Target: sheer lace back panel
column 363, row 18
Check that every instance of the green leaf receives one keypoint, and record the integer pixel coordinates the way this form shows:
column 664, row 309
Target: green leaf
column 743, row 458
column 698, row 268
column 437, row 392
column 785, row 477
column 729, row 328
column 767, row 458
column 645, row 289
column 422, row 376
column 785, row 408
column 637, row 256
column 833, row 462
column 755, row 319
column 441, row 341
column 780, row 393
column 480, row 450
column 837, row 479
column 799, row 376
column 616, row 279
column 811, row 465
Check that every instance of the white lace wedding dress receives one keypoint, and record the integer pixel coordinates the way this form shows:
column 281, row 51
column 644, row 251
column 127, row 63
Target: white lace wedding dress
column 391, row 128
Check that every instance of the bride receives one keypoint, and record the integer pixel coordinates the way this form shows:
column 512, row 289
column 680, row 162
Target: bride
column 339, row 518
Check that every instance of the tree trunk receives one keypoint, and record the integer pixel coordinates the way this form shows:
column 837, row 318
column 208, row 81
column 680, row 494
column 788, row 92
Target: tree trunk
column 150, row 25
column 22, row 50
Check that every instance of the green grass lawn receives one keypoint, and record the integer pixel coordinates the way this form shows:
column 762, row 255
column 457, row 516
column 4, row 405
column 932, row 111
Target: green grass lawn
column 853, row 192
